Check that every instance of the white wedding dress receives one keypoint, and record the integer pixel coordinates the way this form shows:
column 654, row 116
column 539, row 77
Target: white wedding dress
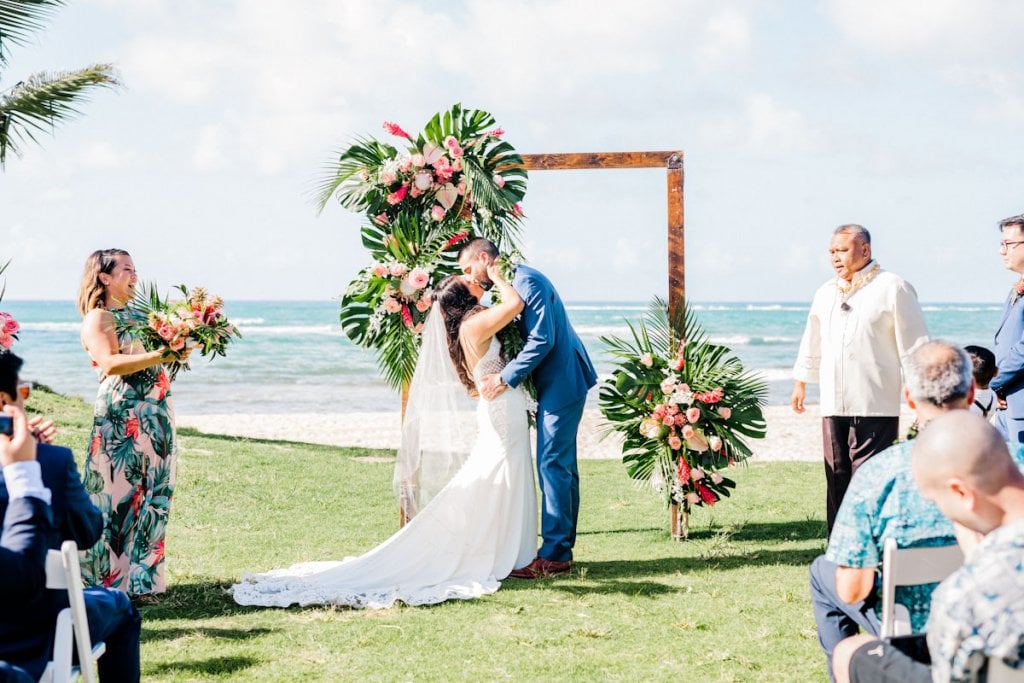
column 477, row 529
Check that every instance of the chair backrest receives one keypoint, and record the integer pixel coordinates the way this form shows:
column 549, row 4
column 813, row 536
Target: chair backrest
column 910, row 567
column 63, row 572
column 998, row 672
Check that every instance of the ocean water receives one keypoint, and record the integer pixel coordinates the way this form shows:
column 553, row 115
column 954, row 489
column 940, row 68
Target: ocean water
column 295, row 358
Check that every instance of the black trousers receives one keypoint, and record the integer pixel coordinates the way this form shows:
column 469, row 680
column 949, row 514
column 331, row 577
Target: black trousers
column 848, row 443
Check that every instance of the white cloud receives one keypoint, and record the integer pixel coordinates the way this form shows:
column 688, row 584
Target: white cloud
column 725, row 41
column 209, row 154
column 765, row 129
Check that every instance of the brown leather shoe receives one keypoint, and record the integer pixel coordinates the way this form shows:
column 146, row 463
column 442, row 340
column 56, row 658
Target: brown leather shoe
column 541, row 568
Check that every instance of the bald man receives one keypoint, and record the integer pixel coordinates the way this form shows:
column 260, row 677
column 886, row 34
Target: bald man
column 962, row 464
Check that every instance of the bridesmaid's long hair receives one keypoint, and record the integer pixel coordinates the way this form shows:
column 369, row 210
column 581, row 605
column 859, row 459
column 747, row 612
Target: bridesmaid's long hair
column 91, row 292
column 457, row 303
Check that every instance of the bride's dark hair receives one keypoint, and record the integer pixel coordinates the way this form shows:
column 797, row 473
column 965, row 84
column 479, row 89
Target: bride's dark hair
column 457, row 303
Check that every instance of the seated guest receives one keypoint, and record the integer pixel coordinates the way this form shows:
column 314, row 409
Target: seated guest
column 962, row 464
column 27, row 636
column 883, row 501
column 23, row 543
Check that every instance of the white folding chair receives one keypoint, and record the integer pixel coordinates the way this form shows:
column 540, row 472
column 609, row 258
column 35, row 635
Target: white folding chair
column 910, row 567
column 998, row 672
column 63, row 572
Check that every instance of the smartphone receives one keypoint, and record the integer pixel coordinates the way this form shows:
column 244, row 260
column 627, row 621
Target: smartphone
column 6, row 425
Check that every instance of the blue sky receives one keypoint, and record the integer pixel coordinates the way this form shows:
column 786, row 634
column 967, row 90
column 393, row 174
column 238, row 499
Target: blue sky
column 905, row 116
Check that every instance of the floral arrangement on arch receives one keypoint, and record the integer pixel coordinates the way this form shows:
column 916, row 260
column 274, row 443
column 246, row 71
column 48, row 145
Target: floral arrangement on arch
column 422, row 198
column 196, row 321
column 685, row 409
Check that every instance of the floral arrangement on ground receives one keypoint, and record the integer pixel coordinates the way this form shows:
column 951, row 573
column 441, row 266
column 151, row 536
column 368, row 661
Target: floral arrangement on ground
column 422, row 200
column 684, row 408
column 196, row 321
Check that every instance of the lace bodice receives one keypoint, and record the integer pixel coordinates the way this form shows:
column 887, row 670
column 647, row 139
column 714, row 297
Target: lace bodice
column 489, row 363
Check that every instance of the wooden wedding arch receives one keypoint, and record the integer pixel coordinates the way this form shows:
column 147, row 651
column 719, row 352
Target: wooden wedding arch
column 672, row 162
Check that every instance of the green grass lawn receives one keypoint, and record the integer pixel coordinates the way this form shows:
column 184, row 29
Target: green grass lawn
column 731, row 603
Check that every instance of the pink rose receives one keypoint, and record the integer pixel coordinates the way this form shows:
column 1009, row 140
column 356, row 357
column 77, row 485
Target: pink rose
column 398, row 195
column 398, row 269
column 725, row 412
column 6, row 340
column 418, row 161
column 165, row 331
column 693, row 414
column 457, row 165
column 387, row 178
column 696, row 474
column 675, row 443
column 668, row 386
column 418, row 328
column 692, row 498
column 437, row 212
column 10, row 324
column 419, row 278
column 406, row 165
column 415, row 192
column 646, row 360
column 453, row 147
column 688, row 432
column 178, row 344
column 423, row 305
column 380, row 270
column 715, row 443
column 392, row 305
column 668, row 420
column 717, row 478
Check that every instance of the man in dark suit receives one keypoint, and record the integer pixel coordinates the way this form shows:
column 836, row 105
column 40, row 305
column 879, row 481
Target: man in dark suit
column 1009, row 381
column 112, row 618
column 23, row 544
column 556, row 359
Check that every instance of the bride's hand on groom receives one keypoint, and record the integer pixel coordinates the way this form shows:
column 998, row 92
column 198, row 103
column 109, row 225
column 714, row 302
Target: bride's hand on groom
column 495, row 272
column 492, row 387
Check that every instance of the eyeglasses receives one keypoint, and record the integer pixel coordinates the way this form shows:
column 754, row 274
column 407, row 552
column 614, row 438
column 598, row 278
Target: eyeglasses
column 24, row 390
column 1009, row 245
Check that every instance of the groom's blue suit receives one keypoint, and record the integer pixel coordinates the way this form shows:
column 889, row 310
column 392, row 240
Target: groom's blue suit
column 1009, row 383
column 562, row 372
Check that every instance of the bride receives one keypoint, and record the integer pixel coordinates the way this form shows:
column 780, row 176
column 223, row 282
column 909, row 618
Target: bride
column 472, row 502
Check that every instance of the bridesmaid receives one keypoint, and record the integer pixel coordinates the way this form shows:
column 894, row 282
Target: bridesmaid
column 129, row 470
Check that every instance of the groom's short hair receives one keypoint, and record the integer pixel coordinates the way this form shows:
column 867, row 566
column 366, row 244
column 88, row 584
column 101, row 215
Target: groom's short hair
column 477, row 245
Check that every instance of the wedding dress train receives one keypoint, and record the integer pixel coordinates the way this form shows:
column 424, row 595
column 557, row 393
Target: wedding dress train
column 477, row 529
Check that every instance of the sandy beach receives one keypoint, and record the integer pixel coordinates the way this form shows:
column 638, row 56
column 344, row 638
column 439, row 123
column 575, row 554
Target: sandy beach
column 790, row 436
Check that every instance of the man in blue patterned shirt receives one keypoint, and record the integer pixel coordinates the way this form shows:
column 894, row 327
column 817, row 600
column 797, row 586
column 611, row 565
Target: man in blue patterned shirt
column 883, row 501
column 963, row 465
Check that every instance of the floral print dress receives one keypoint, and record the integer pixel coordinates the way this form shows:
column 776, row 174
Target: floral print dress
column 129, row 473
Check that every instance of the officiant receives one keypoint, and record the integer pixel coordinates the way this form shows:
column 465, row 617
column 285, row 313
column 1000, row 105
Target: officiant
column 862, row 326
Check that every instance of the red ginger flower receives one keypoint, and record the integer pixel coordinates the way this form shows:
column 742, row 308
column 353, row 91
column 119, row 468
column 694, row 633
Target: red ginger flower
column 396, row 130
column 706, row 494
column 406, row 315
column 456, row 238
column 683, row 471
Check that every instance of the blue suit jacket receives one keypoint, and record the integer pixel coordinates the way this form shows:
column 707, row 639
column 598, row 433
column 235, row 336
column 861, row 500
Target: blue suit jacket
column 26, row 620
column 26, row 632
column 552, row 353
column 1009, row 383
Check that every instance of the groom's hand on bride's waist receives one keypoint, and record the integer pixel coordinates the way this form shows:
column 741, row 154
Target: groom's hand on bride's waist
column 492, row 386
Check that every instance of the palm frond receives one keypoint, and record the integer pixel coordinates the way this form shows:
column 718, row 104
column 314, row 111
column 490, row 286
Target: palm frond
column 44, row 99
column 21, row 18
column 341, row 176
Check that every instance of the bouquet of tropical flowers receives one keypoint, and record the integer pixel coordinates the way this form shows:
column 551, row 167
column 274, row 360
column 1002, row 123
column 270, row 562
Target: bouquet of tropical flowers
column 684, row 408
column 422, row 200
column 195, row 322
column 8, row 325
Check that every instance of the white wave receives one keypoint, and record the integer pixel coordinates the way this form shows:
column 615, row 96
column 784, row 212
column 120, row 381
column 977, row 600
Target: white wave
column 570, row 307
column 248, row 321
column 601, row 330
column 294, row 330
column 960, row 309
column 775, row 307
column 52, row 327
column 731, row 340
column 775, row 374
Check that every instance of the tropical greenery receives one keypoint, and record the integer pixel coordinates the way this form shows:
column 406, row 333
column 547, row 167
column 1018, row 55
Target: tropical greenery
column 731, row 604
column 685, row 408
column 455, row 180
column 35, row 104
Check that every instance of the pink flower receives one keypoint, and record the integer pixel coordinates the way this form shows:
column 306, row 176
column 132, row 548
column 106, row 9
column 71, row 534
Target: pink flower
column 457, row 164
column 419, row 278
column 715, row 443
column 692, row 498
column 423, row 305
column 390, row 241
column 685, row 388
column 447, row 196
column 675, row 443
column 499, row 181
column 398, row 269
column 725, row 412
column 494, row 133
column 683, row 471
column 418, row 328
column 415, row 192
column 406, row 165
column 423, row 180
column 696, row 474
column 392, row 305
column 668, row 385
column 517, row 211
column 697, row 442
column 418, row 160
column 387, row 178
column 165, row 331
column 178, row 344
column 461, row 187
column 443, row 173
column 6, row 340
column 406, row 316
column 10, row 324
column 717, row 478
column 456, row 238
column 396, row 130
column 693, row 414
column 380, row 270
column 646, row 360
column 453, row 147
column 668, row 421
column 398, row 195
column 688, row 432
column 437, row 212
column 382, row 219
column 678, row 364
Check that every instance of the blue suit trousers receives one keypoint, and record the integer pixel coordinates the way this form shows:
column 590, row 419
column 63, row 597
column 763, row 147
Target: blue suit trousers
column 559, row 477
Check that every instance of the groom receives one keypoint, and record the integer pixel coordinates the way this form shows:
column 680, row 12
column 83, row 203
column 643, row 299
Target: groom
column 562, row 373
